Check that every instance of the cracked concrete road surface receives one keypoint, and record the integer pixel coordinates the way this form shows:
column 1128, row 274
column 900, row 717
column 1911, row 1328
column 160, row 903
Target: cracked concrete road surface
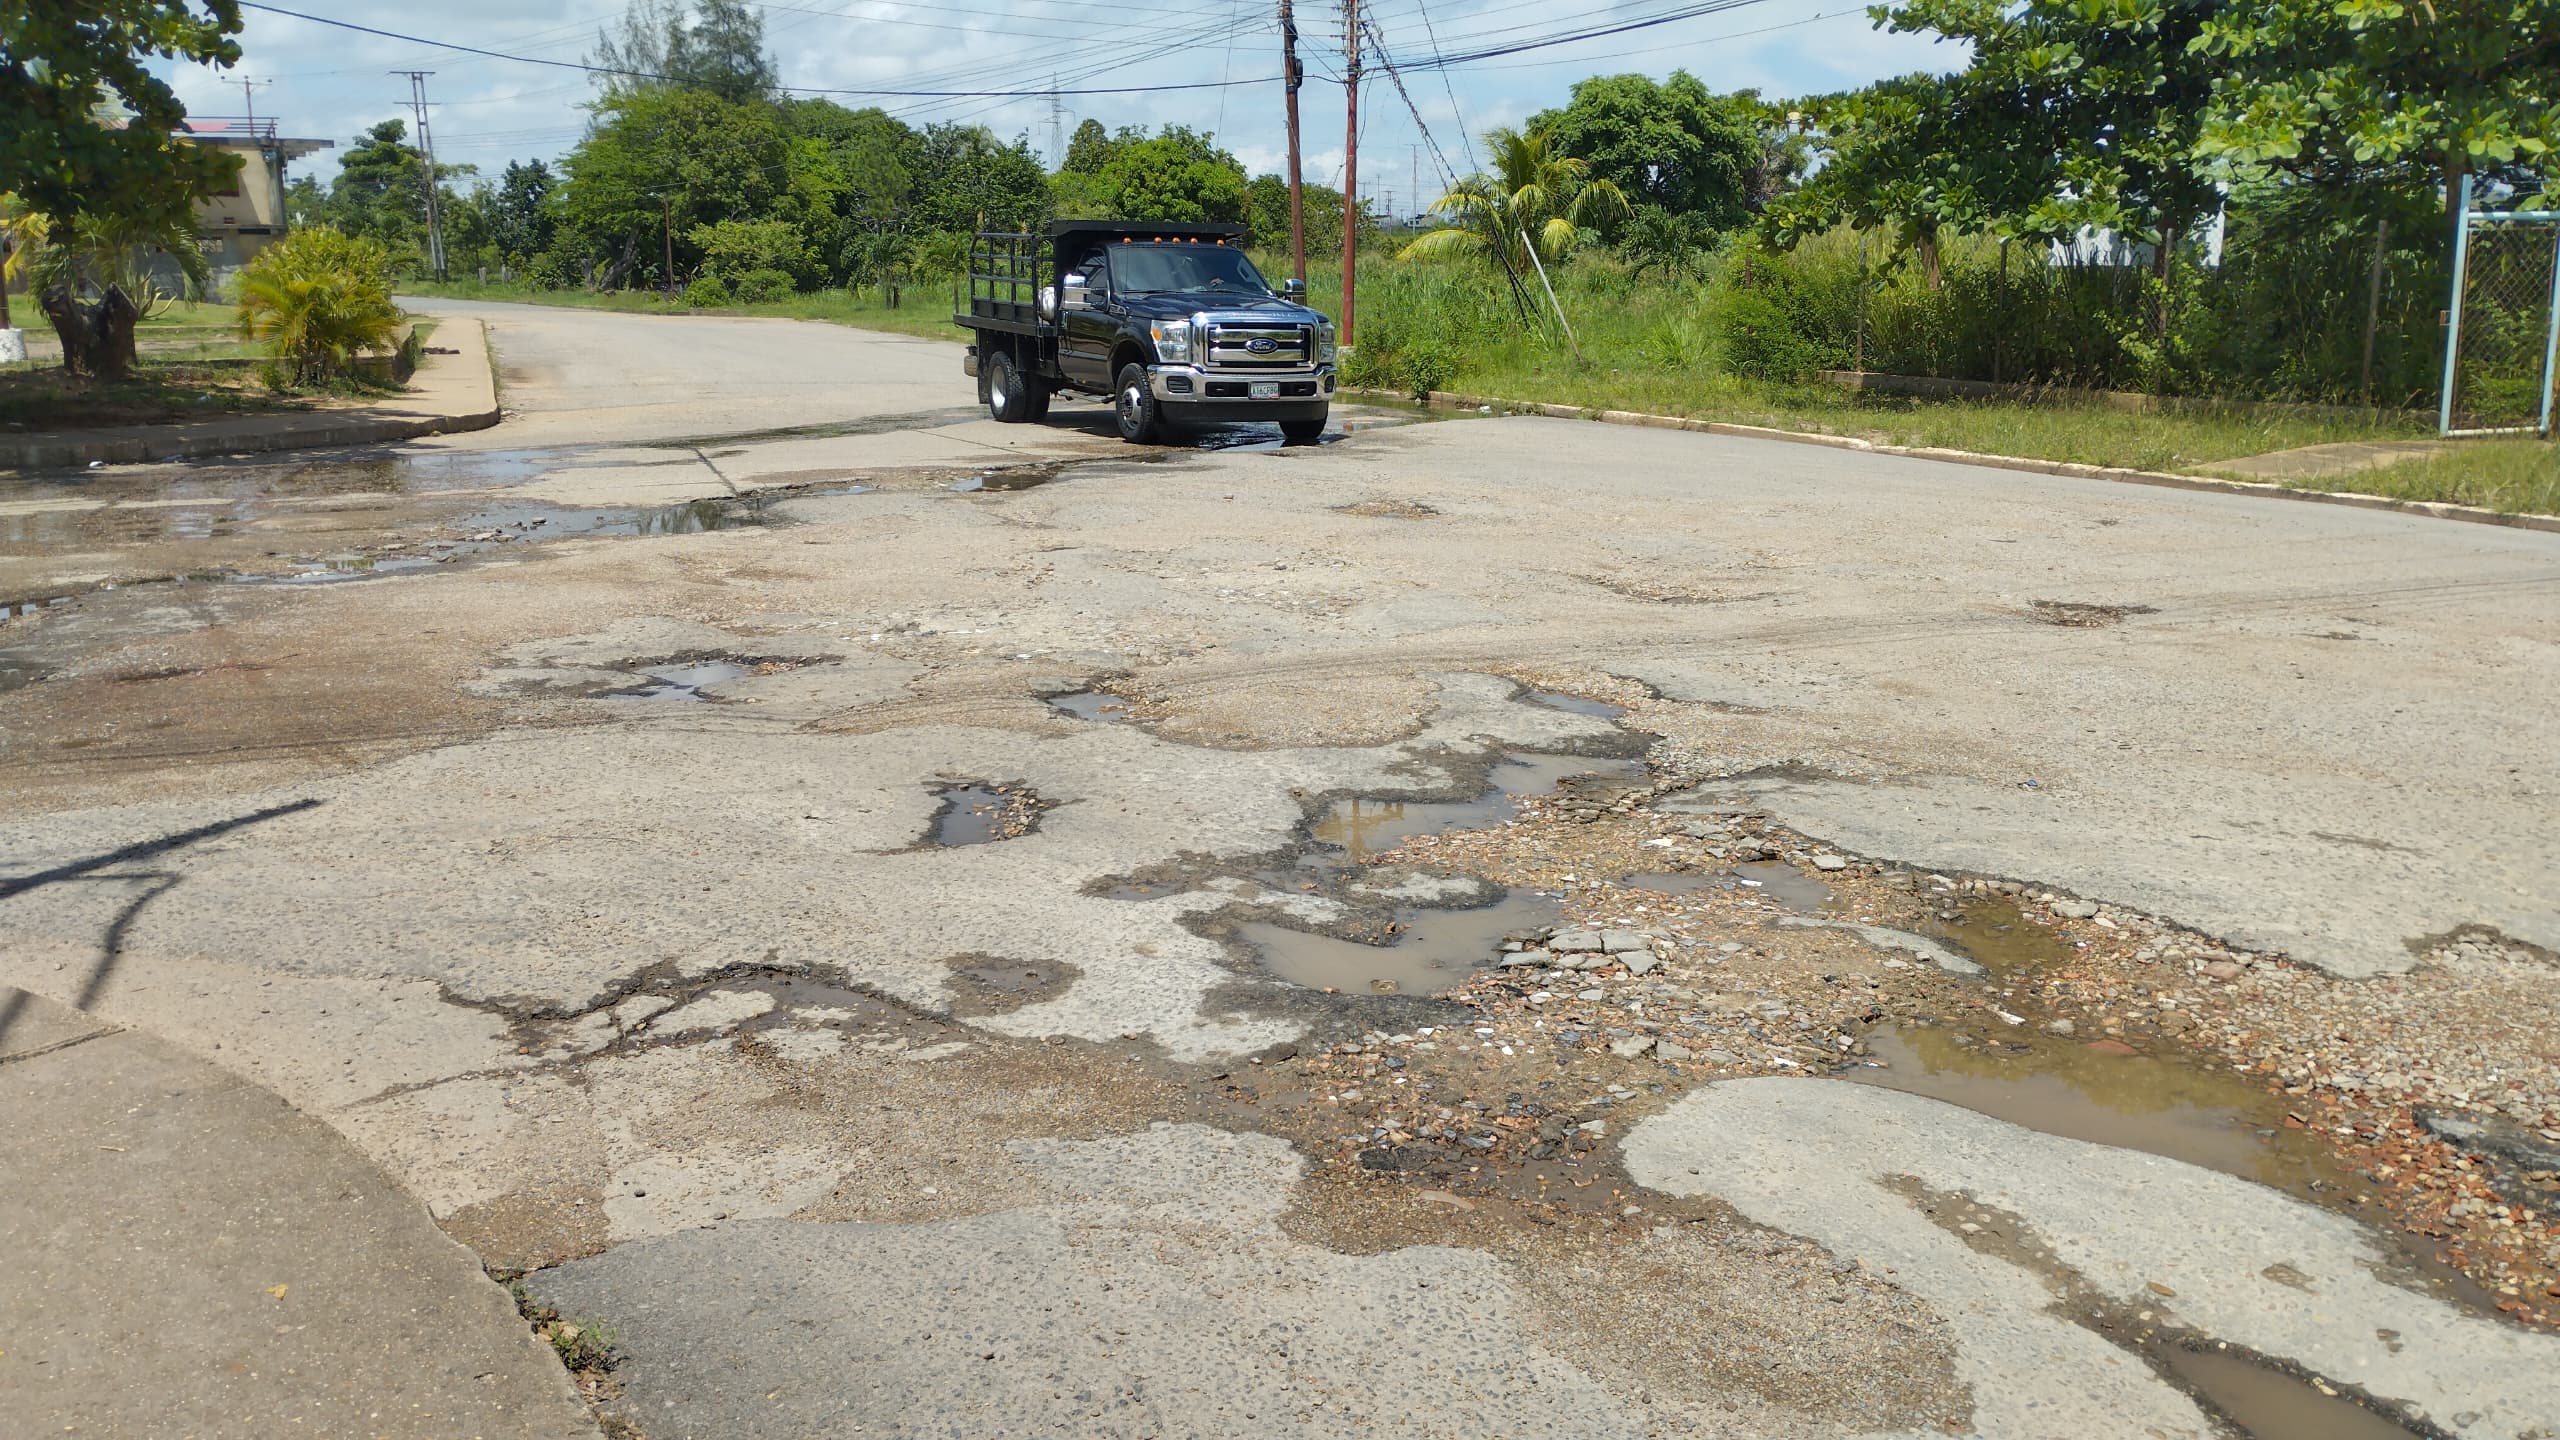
column 798, row 872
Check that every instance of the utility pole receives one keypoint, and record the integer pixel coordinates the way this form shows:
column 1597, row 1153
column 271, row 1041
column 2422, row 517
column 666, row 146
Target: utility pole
column 249, row 104
column 427, row 148
column 1292, row 76
column 1350, row 160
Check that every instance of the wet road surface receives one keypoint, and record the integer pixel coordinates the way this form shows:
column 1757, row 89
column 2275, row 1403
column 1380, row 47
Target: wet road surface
column 1206, row 919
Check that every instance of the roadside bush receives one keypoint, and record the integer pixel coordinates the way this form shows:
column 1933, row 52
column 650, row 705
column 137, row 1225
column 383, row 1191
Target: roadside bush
column 318, row 298
column 1426, row 365
column 708, row 292
column 737, row 248
column 1761, row 339
column 756, row 287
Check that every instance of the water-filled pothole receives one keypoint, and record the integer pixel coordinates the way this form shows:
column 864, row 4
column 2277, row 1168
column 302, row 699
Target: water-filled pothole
column 1994, row 933
column 1677, row 883
column 1576, row 704
column 1430, row 951
column 2109, row 1094
column 1363, row 826
column 997, row 481
column 982, row 812
column 1094, row 705
column 681, row 681
column 1785, row 884
column 2270, row 1405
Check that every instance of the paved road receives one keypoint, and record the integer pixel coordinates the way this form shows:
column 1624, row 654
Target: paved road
column 601, row 966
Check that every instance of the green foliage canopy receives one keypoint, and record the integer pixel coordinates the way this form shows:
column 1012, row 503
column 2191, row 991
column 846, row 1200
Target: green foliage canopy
column 1672, row 144
column 64, row 64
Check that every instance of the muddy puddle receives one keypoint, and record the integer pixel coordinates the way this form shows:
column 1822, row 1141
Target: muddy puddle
column 1432, row 950
column 1676, row 883
column 2269, row 1405
column 1361, row 826
column 1575, row 704
column 979, row 813
column 2099, row 1092
column 1785, row 884
column 682, row 682
column 1093, row 705
column 1000, row 481
column 1995, row 934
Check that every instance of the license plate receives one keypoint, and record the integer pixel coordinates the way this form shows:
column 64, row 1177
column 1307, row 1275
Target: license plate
column 1265, row 390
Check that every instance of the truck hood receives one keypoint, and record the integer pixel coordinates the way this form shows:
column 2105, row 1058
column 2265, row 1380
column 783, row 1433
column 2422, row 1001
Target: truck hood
column 1264, row 307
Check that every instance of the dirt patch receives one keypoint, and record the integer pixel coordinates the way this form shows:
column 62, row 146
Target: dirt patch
column 992, row 985
column 2083, row 615
column 1389, row 510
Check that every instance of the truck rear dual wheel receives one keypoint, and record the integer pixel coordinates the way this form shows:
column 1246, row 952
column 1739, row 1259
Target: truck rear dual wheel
column 1013, row 397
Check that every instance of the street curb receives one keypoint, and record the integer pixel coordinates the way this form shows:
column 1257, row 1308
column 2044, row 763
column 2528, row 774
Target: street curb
column 2433, row 509
column 471, row 372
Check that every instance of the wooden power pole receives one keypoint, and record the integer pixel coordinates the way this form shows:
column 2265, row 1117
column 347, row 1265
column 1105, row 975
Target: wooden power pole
column 1291, row 76
column 1350, row 159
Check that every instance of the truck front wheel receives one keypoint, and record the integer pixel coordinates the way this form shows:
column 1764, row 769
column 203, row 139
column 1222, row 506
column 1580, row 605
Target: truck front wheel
column 1133, row 405
column 1013, row 397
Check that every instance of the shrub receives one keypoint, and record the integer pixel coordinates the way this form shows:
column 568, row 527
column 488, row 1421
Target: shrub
column 318, row 297
column 1426, row 365
column 707, row 292
column 551, row 270
column 1761, row 339
column 757, row 287
column 736, row 248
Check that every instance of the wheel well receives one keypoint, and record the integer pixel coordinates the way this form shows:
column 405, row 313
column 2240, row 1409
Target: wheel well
column 1126, row 354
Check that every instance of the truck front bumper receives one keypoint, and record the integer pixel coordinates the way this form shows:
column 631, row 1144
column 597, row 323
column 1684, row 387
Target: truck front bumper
column 1192, row 393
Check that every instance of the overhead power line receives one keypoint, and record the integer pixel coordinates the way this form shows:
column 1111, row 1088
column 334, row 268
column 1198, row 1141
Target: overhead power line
column 794, row 89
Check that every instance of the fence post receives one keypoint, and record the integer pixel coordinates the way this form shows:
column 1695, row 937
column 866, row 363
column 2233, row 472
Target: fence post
column 1859, row 361
column 2373, row 301
column 2453, row 311
column 2551, row 337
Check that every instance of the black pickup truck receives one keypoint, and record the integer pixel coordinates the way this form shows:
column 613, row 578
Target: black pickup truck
column 1171, row 322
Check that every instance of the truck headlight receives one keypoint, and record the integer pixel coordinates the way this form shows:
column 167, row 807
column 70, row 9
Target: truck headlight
column 1324, row 342
column 1173, row 340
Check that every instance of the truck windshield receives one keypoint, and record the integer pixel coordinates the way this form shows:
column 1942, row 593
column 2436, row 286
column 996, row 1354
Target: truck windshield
column 1178, row 269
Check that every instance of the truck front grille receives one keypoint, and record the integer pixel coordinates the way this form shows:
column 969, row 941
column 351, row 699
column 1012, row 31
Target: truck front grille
column 1258, row 347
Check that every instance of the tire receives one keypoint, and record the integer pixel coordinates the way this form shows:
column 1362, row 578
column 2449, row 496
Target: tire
column 1012, row 397
column 1302, row 432
column 1134, row 407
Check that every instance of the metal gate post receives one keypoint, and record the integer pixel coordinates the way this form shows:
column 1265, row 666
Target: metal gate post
column 2551, row 336
column 2453, row 313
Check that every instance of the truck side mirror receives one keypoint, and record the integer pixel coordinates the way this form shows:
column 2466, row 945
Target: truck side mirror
column 1076, row 294
column 1294, row 289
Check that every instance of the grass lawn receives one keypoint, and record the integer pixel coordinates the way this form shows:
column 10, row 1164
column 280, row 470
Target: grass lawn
column 2517, row 477
column 161, row 391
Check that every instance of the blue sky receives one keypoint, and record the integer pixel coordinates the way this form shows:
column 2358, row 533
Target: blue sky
column 329, row 83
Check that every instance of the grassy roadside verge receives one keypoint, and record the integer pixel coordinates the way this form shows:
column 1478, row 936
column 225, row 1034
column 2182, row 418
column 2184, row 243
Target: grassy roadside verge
column 2509, row 476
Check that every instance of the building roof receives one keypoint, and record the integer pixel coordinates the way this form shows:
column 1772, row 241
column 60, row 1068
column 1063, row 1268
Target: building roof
column 249, row 135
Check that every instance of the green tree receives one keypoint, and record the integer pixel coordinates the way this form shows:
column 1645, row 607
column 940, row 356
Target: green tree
column 380, row 189
column 716, row 46
column 731, row 248
column 663, row 160
column 2458, row 88
column 1267, row 213
column 1533, row 194
column 1673, row 144
column 90, row 128
column 1892, row 161
column 1179, row 175
column 521, row 221
column 88, row 143
column 2073, row 112
column 966, row 179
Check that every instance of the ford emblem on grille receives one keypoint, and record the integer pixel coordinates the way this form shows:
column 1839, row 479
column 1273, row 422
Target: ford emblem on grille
column 1261, row 345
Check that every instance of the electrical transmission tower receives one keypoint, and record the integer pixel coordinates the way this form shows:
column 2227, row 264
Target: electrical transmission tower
column 1057, row 121
column 427, row 148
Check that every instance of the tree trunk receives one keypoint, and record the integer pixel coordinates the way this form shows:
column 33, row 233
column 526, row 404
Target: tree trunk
column 2457, row 163
column 2164, row 259
column 1924, row 241
column 97, row 335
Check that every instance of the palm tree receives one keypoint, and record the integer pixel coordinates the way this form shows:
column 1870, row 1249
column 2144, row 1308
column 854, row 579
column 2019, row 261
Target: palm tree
column 1533, row 190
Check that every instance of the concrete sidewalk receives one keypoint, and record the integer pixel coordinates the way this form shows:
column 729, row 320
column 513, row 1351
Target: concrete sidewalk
column 448, row 393
column 189, row 1256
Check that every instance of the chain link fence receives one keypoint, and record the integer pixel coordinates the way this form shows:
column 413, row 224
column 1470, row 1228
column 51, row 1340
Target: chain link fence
column 2503, row 323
